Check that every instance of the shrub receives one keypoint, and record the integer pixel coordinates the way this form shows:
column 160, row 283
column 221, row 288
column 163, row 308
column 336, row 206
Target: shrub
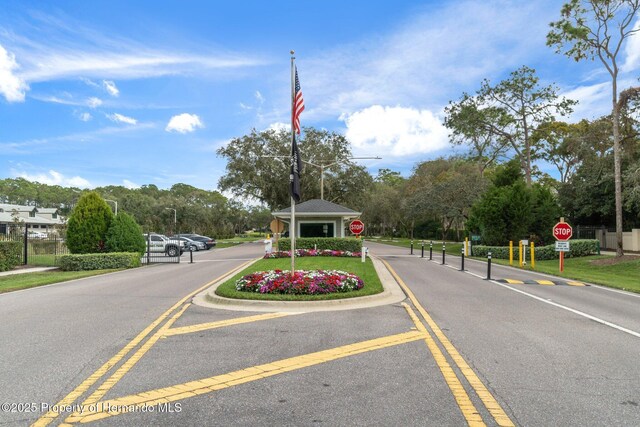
column 125, row 235
column 579, row 248
column 311, row 252
column 10, row 254
column 104, row 261
column 88, row 224
column 322, row 243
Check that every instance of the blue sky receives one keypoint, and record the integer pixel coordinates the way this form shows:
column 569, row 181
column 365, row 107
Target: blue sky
column 97, row 93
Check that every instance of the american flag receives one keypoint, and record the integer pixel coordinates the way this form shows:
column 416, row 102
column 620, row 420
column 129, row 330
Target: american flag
column 298, row 105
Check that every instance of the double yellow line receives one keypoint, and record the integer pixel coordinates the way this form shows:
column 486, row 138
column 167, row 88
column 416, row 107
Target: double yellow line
column 468, row 409
column 81, row 389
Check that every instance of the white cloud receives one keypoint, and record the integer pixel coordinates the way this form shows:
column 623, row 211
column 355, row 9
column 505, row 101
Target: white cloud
column 428, row 59
column 94, row 102
column 259, row 97
column 110, row 87
column 278, row 126
column 184, row 123
column 394, row 131
column 12, row 87
column 119, row 118
column 85, row 117
column 632, row 51
column 55, row 178
column 130, row 185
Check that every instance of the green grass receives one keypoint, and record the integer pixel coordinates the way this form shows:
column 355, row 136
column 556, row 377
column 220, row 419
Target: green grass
column 226, row 243
column 365, row 271
column 624, row 275
column 43, row 260
column 14, row 282
column 451, row 248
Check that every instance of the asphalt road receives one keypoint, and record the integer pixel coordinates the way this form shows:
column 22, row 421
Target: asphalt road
column 461, row 350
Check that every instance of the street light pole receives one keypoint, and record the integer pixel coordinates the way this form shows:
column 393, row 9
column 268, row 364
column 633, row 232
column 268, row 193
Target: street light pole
column 114, row 202
column 328, row 165
column 175, row 222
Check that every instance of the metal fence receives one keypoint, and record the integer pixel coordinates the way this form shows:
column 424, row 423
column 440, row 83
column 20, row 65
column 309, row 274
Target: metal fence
column 39, row 249
column 161, row 249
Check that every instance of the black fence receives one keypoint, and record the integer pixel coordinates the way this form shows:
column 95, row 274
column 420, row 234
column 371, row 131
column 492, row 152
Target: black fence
column 162, row 249
column 39, row 249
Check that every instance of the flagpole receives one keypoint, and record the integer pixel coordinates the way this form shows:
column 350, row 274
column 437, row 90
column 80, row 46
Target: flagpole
column 292, row 226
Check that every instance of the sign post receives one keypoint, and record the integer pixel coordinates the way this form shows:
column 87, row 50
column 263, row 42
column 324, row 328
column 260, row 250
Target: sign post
column 562, row 232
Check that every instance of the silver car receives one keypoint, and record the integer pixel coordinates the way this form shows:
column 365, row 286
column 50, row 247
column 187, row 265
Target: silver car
column 190, row 244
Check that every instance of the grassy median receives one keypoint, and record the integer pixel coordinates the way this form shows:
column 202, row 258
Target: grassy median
column 15, row 282
column 365, row 271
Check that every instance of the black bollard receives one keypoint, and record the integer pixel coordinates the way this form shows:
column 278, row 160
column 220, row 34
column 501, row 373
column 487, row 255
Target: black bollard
column 191, row 254
column 444, row 253
column 412, row 247
column 489, row 266
column 462, row 260
column 430, row 251
column 422, row 244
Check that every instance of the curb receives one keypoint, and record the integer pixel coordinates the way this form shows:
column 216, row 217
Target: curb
column 392, row 294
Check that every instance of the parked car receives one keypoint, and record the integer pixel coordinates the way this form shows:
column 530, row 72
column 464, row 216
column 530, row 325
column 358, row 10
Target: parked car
column 161, row 243
column 207, row 240
column 190, row 244
column 37, row 235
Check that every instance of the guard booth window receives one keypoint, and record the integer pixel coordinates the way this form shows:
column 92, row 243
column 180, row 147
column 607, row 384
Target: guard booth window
column 320, row 229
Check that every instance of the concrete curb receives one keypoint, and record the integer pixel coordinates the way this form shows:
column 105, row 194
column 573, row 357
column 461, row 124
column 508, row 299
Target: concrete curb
column 392, row 294
column 27, row 270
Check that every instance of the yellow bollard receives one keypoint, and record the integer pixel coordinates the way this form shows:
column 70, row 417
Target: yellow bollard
column 466, row 246
column 520, row 253
column 533, row 255
column 510, row 252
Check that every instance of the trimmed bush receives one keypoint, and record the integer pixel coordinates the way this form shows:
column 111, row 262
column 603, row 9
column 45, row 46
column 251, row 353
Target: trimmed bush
column 322, row 243
column 10, row 254
column 579, row 248
column 88, row 225
column 81, row 262
column 125, row 235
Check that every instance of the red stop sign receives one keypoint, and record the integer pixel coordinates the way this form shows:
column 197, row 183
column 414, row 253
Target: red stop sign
column 562, row 231
column 356, row 227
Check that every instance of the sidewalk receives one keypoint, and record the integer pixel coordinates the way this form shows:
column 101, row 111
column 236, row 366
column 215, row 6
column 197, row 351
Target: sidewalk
column 27, row 270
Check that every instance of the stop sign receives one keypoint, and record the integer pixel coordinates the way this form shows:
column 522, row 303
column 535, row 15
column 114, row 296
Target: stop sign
column 562, row 231
column 356, row 226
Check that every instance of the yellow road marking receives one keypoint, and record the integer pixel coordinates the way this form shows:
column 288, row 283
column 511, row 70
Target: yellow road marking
column 545, row 282
column 492, row 405
column 468, row 409
column 572, row 283
column 129, row 403
column 126, row 367
column 514, row 282
column 47, row 418
column 222, row 323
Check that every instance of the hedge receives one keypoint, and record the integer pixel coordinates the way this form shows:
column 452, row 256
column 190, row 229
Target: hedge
column 104, row 261
column 10, row 254
column 322, row 243
column 579, row 248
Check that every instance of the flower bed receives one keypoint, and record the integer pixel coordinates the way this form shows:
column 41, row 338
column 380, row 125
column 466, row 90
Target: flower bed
column 302, row 283
column 312, row 252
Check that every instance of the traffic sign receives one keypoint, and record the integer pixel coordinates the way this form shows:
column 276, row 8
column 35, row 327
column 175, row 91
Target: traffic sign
column 356, row 227
column 562, row 246
column 562, row 231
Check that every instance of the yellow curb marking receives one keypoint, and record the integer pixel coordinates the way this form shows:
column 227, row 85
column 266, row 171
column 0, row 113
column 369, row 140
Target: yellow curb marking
column 514, row 282
column 468, row 409
column 222, row 323
column 47, row 418
column 492, row 405
column 545, row 282
column 129, row 403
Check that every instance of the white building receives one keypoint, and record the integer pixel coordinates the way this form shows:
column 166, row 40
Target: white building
column 41, row 220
